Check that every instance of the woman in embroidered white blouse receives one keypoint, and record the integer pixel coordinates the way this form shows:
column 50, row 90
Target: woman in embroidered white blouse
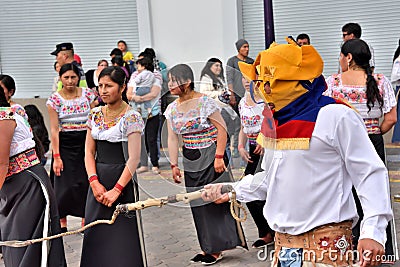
column 197, row 118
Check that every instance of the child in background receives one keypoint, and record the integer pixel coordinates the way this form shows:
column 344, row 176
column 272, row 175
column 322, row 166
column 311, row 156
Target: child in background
column 143, row 79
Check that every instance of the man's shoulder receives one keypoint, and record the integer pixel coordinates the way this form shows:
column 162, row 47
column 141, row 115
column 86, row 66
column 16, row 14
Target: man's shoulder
column 249, row 60
column 337, row 112
column 232, row 60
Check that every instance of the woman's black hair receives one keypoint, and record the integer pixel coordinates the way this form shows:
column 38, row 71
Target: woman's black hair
column 146, row 62
column 117, row 75
column 36, row 121
column 55, row 65
column 217, row 83
column 397, row 53
column 8, row 82
column 361, row 57
column 182, row 73
column 3, row 99
column 150, row 52
column 121, row 63
column 68, row 67
column 118, row 60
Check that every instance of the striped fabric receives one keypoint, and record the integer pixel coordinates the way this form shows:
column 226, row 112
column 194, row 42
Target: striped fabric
column 252, row 137
column 372, row 126
column 200, row 139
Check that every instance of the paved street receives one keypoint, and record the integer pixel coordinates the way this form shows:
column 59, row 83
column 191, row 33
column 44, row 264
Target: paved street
column 170, row 235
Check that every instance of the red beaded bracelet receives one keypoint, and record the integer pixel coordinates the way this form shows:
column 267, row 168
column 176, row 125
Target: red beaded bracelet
column 218, row 156
column 173, row 166
column 93, row 177
column 118, row 187
column 56, row 156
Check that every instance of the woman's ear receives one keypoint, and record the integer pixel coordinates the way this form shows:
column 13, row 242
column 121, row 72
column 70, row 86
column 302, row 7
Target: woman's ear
column 187, row 83
column 123, row 87
column 349, row 58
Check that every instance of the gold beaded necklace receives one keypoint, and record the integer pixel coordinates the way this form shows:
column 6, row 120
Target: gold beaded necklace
column 112, row 114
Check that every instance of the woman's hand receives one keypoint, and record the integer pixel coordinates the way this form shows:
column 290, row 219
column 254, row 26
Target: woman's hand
column 176, row 175
column 98, row 190
column 58, row 166
column 110, row 196
column 219, row 165
column 245, row 155
column 259, row 150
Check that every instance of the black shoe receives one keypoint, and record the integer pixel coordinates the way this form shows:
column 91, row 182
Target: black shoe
column 209, row 259
column 199, row 257
column 259, row 243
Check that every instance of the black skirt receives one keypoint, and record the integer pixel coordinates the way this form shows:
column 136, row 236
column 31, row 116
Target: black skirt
column 119, row 244
column 216, row 229
column 23, row 216
column 71, row 187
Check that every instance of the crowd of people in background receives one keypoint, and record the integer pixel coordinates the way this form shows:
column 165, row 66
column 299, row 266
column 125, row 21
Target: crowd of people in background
column 100, row 117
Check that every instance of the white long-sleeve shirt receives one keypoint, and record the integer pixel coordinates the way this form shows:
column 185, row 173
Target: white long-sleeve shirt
column 309, row 188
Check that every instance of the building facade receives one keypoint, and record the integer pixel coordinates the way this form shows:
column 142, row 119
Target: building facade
column 181, row 31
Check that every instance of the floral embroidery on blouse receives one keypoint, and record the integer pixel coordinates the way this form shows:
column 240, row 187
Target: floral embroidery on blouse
column 122, row 126
column 353, row 93
column 18, row 109
column 194, row 125
column 357, row 97
column 356, row 94
column 6, row 113
column 72, row 113
column 194, row 120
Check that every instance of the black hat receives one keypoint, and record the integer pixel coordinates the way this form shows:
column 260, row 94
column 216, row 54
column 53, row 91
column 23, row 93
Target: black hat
column 62, row 47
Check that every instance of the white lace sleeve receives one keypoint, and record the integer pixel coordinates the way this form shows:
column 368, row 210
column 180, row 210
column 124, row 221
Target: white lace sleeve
column 389, row 99
column 209, row 106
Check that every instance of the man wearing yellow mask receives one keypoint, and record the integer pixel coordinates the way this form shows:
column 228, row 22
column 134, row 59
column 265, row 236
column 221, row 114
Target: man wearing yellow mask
column 320, row 150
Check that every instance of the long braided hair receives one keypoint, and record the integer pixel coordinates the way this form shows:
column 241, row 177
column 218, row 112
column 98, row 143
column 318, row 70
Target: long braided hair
column 361, row 56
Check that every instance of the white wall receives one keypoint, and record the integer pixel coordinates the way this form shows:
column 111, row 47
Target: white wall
column 186, row 31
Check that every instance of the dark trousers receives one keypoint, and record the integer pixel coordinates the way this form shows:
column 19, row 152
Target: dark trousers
column 256, row 207
column 149, row 142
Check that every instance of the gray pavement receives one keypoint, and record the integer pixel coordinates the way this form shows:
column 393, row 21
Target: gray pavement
column 169, row 232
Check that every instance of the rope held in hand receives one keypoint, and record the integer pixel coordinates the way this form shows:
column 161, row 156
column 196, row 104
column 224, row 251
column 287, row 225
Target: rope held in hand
column 125, row 208
column 18, row 244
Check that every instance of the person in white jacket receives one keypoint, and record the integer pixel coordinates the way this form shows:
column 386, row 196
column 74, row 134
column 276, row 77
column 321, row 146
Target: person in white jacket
column 212, row 84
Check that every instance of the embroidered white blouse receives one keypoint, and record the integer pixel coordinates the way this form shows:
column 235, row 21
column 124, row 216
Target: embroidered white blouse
column 194, row 125
column 251, row 116
column 304, row 189
column 116, row 130
column 73, row 113
column 23, row 138
column 356, row 95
